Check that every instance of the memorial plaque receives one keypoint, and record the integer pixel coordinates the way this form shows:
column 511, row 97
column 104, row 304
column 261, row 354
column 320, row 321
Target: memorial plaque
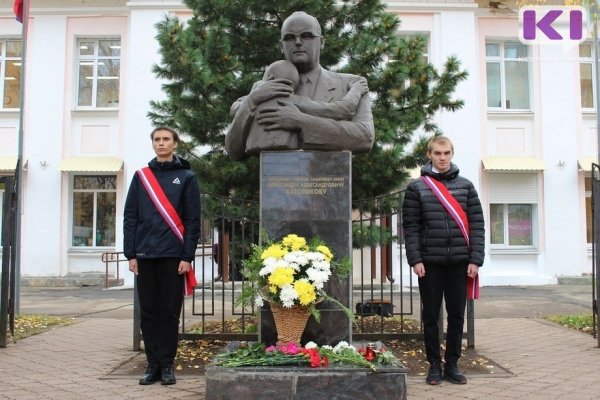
column 309, row 193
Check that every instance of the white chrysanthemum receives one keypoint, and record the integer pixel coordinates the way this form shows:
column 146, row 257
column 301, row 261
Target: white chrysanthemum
column 310, row 345
column 296, row 257
column 294, row 266
column 315, row 256
column 258, row 301
column 322, row 265
column 269, row 261
column 343, row 345
column 269, row 265
column 287, row 295
column 327, row 347
column 317, row 277
column 267, row 270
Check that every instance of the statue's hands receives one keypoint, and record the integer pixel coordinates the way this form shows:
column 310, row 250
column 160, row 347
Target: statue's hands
column 286, row 117
column 270, row 89
column 360, row 85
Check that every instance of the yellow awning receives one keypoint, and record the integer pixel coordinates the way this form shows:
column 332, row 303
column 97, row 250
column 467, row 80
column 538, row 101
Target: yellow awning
column 91, row 164
column 8, row 163
column 513, row 164
column 585, row 163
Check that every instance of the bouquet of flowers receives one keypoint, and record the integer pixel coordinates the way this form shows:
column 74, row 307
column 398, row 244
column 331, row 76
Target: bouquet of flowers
column 311, row 354
column 291, row 272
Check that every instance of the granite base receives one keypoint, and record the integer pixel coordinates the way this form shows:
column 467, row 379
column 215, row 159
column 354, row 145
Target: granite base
column 305, row 383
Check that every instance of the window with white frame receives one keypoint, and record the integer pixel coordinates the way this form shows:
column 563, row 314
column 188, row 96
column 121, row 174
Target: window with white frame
column 513, row 211
column 99, row 64
column 10, row 71
column 586, row 75
column 507, row 72
column 94, row 210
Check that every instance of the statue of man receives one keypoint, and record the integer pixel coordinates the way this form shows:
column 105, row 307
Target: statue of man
column 304, row 128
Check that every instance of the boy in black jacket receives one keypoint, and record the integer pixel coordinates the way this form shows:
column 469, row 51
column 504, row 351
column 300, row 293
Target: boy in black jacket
column 159, row 255
column 440, row 254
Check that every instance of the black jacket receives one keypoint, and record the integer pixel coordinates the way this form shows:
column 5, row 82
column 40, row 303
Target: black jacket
column 146, row 234
column 430, row 233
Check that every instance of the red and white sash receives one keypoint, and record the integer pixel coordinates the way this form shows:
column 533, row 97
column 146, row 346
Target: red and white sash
column 161, row 202
column 169, row 214
column 458, row 215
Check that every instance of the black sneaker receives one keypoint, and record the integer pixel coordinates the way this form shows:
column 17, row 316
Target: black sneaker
column 167, row 376
column 452, row 373
column 434, row 377
column 151, row 375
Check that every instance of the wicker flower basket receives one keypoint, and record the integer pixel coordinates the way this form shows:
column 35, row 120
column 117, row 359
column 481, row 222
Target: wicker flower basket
column 290, row 322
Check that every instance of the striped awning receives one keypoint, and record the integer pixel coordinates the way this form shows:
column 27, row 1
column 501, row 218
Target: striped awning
column 513, row 164
column 91, row 164
column 585, row 163
column 8, row 163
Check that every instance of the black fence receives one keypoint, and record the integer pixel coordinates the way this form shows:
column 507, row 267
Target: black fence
column 8, row 282
column 382, row 283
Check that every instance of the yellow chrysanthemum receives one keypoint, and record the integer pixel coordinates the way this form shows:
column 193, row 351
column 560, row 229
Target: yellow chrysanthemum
column 306, row 292
column 294, row 242
column 325, row 251
column 273, row 289
column 282, row 276
column 274, row 250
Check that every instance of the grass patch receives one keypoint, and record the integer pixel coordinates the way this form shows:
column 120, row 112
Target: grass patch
column 30, row 324
column 583, row 323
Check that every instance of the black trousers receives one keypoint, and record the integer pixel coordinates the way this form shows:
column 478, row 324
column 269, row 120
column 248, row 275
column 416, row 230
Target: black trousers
column 160, row 293
column 450, row 283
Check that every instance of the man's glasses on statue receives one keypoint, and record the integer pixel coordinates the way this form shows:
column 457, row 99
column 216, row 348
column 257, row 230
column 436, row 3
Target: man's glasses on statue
column 304, row 37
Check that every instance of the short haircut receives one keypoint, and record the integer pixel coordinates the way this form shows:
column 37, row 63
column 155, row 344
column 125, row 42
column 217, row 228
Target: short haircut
column 440, row 139
column 283, row 69
column 164, row 128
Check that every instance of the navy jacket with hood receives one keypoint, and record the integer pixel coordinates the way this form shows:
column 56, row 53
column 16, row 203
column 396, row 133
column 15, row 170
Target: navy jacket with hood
column 431, row 235
column 146, row 234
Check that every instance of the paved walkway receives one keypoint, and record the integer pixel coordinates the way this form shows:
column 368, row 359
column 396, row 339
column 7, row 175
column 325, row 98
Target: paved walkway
column 76, row 362
column 546, row 362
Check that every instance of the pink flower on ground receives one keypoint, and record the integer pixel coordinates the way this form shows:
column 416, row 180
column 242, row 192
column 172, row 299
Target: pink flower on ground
column 290, row 348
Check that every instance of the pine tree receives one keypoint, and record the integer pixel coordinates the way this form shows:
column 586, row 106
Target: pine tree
column 214, row 58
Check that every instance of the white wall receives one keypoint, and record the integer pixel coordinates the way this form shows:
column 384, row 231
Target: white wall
column 559, row 117
column 456, row 31
column 45, row 101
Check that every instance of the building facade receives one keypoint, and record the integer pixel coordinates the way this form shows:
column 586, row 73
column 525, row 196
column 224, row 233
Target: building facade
column 526, row 136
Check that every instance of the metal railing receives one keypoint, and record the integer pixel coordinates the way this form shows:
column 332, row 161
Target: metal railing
column 112, row 257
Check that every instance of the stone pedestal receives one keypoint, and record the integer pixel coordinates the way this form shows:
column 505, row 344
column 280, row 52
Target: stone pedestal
column 308, row 193
column 305, row 383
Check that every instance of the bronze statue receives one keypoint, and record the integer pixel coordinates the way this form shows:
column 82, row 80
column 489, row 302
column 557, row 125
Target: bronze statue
column 324, row 110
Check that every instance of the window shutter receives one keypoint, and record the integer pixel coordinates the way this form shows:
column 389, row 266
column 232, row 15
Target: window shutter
column 513, row 188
